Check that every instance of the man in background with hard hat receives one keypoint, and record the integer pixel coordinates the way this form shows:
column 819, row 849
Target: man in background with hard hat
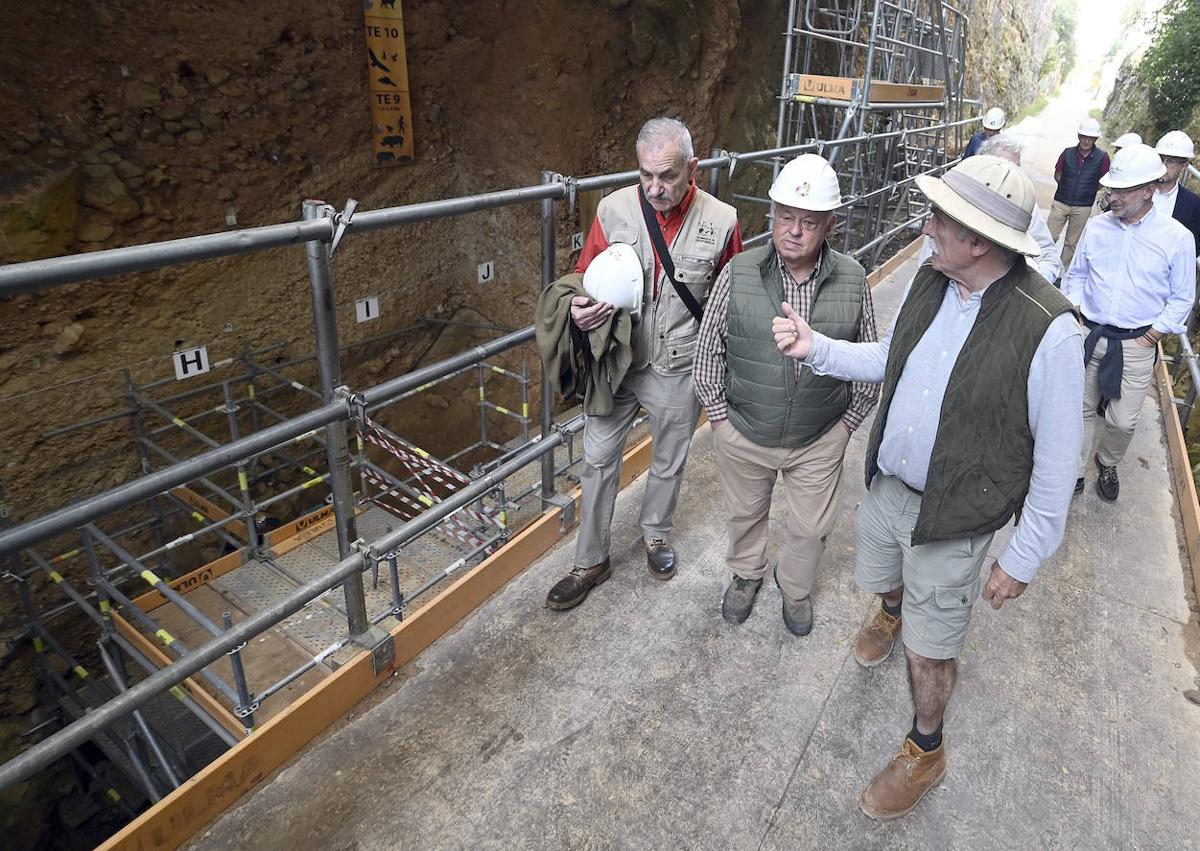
column 1122, row 141
column 698, row 234
column 1077, row 173
column 993, row 123
column 1133, row 280
column 978, row 421
column 1176, row 151
column 770, row 416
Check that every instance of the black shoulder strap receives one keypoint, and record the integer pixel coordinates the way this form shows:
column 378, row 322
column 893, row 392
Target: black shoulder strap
column 664, row 257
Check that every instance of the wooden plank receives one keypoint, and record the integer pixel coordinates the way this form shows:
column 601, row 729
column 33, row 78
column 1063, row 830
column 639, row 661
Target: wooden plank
column 201, row 576
column 175, row 818
column 209, row 509
column 1181, row 469
column 893, row 263
column 842, row 88
column 904, row 93
column 209, row 703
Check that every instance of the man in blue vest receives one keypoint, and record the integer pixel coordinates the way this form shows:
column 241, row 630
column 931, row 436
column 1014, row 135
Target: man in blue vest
column 770, row 417
column 993, row 123
column 982, row 371
column 1077, row 173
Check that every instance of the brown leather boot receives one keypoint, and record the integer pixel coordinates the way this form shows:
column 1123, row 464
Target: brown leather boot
column 573, row 588
column 896, row 791
column 875, row 640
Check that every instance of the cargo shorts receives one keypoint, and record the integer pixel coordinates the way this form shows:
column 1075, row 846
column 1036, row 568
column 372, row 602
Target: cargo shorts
column 941, row 580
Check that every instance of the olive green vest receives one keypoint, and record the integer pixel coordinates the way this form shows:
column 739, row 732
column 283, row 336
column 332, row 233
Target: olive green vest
column 768, row 402
column 983, row 451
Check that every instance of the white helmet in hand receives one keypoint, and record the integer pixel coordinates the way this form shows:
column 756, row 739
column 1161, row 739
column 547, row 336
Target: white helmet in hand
column 615, row 276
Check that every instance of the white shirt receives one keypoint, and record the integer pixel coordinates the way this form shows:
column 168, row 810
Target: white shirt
column 1054, row 393
column 1134, row 275
column 1048, row 264
column 1165, row 201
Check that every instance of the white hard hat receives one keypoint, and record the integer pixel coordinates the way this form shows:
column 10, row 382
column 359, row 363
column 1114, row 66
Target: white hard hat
column 989, row 196
column 615, row 276
column 1134, row 165
column 995, row 118
column 1089, row 127
column 809, row 183
column 1127, row 139
column 1176, row 143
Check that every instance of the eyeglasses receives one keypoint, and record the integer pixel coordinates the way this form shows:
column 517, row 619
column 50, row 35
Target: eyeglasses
column 789, row 219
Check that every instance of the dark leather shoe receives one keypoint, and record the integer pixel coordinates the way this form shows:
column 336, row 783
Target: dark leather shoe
column 1107, row 485
column 573, row 588
column 660, row 558
column 739, row 599
column 1079, row 486
column 797, row 614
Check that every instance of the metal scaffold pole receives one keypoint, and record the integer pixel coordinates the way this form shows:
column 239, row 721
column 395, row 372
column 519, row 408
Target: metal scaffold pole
column 547, row 391
column 320, row 279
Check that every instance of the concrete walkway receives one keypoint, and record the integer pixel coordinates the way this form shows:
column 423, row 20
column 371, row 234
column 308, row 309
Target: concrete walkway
column 642, row 720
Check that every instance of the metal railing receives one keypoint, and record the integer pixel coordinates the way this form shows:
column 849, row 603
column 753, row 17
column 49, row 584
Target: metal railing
column 321, row 232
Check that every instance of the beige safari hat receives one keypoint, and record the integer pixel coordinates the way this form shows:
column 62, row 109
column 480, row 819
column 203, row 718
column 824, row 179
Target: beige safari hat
column 989, row 196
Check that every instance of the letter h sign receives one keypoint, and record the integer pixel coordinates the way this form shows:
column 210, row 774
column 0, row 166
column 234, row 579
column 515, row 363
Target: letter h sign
column 190, row 362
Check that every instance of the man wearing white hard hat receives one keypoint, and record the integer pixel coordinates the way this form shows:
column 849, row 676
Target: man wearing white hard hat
column 978, row 422
column 682, row 237
column 772, row 418
column 1176, row 151
column 1122, row 141
column 1077, row 173
column 1134, row 281
column 993, row 122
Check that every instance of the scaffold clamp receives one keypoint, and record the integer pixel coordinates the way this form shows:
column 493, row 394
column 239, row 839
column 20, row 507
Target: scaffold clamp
column 357, row 404
column 341, row 221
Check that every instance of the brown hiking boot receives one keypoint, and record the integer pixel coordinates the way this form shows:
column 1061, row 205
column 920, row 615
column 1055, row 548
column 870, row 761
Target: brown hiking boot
column 896, row 791
column 875, row 640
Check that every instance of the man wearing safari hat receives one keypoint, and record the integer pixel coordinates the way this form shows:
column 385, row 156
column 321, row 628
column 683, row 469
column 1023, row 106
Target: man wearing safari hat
column 698, row 234
column 1134, row 281
column 977, row 423
column 770, row 417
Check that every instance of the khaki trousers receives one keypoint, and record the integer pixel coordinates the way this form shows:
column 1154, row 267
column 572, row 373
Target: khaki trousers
column 670, row 402
column 1074, row 218
column 1122, row 415
column 811, row 478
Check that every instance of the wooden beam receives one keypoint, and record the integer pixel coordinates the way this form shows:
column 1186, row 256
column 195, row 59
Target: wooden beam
column 175, row 818
column 209, row 509
column 842, row 88
column 1181, row 468
column 207, row 702
column 893, row 263
column 201, row 576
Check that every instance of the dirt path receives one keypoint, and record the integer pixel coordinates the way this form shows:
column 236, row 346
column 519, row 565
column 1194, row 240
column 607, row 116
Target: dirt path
column 1046, row 134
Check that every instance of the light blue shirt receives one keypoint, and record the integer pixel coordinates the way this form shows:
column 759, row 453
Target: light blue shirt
column 1055, row 400
column 1134, row 275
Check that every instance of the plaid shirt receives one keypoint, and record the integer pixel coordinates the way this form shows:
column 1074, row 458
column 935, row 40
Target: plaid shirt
column 710, row 372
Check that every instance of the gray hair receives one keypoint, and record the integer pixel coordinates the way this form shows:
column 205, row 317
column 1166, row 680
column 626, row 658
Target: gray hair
column 660, row 132
column 1002, row 144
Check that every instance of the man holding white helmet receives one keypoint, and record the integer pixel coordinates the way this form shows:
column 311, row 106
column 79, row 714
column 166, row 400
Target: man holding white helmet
column 993, row 122
column 1176, row 151
column 978, row 421
column 682, row 237
column 1077, row 173
column 1134, row 281
column 770, row 416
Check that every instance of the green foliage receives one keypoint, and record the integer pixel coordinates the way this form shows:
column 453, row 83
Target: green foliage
column 1063, row 19
column 1168, row 66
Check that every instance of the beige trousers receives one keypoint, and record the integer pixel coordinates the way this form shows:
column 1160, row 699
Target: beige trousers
column 1074, row 218
column 1122, row 415
column 811, row 478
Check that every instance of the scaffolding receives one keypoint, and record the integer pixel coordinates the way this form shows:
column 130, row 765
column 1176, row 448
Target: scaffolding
column 881, row 83
column 383, row 520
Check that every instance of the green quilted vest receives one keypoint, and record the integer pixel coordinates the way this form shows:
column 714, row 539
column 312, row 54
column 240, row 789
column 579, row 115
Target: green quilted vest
column 768, row 402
